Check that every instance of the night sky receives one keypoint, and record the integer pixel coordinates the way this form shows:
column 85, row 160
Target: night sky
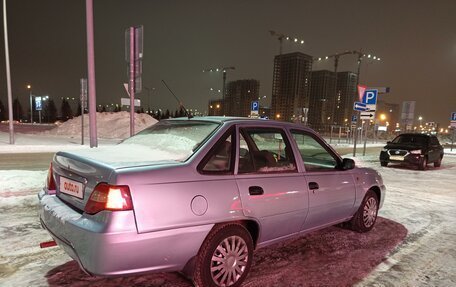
column 416, row 41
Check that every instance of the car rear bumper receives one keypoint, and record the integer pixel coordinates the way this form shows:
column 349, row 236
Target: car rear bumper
column 414, row 159
column 108, row 243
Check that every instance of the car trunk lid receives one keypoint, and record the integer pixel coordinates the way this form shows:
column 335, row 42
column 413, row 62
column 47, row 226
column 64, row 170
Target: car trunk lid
column 77, row 173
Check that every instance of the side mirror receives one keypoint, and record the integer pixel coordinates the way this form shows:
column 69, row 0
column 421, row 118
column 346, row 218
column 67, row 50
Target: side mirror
column 348, row 163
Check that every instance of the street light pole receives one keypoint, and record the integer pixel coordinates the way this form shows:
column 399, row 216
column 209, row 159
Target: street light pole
column 224, row 69
column 8, row 76
column 29, row 87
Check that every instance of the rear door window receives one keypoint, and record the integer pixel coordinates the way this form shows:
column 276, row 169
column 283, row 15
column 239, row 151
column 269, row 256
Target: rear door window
column 265, row 150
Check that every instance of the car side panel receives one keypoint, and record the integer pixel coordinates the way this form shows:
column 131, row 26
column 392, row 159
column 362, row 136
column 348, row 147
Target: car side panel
column 281, row 209
column 206, row 200
column 333, row 201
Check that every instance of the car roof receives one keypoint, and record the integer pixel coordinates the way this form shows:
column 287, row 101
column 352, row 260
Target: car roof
column 243, row 120
column 415, row 134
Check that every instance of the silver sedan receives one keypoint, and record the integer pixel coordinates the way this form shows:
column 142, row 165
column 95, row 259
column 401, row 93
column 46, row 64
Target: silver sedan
column 199, row 195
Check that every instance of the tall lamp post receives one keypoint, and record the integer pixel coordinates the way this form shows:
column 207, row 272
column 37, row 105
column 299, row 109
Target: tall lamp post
column 29, row 87
column 224, row 69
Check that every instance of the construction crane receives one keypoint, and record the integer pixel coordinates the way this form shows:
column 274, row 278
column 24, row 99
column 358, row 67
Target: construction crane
column 336, row 57
column 224, row 69
column 282, row 37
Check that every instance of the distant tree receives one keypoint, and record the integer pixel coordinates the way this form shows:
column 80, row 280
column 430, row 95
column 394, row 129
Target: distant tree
column 103, row 109
column 66, row 111
column 17, row 110
column 158, row 115
column 117, row 109
column 3, row 112
column 167, row 114
column 182, row 112
column 50, row 111
column 176, row 114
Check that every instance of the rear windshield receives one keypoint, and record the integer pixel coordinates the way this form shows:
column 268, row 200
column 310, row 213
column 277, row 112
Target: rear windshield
column 173, row 140
column 411, row 139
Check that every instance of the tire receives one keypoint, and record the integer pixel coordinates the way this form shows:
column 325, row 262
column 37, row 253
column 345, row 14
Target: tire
column 366, row 216
column 438, row 163
column 384, row 163
column 423, row 164
column 225, row 257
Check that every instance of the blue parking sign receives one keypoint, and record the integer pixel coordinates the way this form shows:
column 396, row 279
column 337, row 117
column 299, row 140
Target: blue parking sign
column 255, row 107
column 370, row 97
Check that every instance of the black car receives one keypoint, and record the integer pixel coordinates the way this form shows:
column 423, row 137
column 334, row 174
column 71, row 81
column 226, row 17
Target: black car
column 415, row 149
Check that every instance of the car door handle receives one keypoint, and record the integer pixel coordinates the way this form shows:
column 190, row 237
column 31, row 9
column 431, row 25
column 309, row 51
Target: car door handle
column 256, row 190
column 313, row 185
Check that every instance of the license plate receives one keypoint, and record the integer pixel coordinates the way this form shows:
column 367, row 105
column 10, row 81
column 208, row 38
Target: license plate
column 396, row 157
column 71, row 187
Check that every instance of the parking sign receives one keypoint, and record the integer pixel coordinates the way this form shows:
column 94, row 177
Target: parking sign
column 370, row 97
column 255, row 106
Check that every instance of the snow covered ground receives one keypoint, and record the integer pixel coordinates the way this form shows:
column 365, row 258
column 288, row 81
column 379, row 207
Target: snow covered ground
column 412, row 244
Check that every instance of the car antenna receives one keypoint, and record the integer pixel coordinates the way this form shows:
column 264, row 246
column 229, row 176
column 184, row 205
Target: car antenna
column 177, row 99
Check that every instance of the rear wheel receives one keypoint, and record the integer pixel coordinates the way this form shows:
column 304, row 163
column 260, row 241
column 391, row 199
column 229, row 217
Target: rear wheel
column 423, row 163
column 438, row 163
column 224, row 258
column 366, row 216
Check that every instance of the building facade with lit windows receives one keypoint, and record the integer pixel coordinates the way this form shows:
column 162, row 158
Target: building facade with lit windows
column 239, row 96
column 345, row 97
column 321, row 101
column 291, row 85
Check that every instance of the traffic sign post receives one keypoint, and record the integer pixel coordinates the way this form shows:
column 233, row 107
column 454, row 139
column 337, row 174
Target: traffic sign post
column 369, row 100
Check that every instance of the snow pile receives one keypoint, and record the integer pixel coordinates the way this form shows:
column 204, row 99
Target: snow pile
column 109, row 125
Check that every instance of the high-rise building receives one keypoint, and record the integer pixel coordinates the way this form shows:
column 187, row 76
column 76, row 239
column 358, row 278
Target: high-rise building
column 321, row 102
column 291, row 85
column 345, row 97
column 239, row 97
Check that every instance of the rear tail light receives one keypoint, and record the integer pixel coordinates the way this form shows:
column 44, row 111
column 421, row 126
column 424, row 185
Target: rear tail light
column 50, row 182
column 109, row 197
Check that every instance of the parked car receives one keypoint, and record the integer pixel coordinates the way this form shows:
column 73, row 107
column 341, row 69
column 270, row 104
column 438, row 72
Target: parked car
column 414, row 149
column 199, row 195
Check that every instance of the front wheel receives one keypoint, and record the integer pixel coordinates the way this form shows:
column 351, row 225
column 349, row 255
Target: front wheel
column 224, row 258
column 364, row 219
column 423, row 163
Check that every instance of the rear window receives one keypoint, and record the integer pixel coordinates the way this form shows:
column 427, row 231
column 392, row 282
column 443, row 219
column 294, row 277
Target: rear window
column 173, row 140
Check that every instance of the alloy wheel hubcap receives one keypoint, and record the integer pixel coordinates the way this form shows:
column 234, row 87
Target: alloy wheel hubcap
column 370, row 212
column 229, row 261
